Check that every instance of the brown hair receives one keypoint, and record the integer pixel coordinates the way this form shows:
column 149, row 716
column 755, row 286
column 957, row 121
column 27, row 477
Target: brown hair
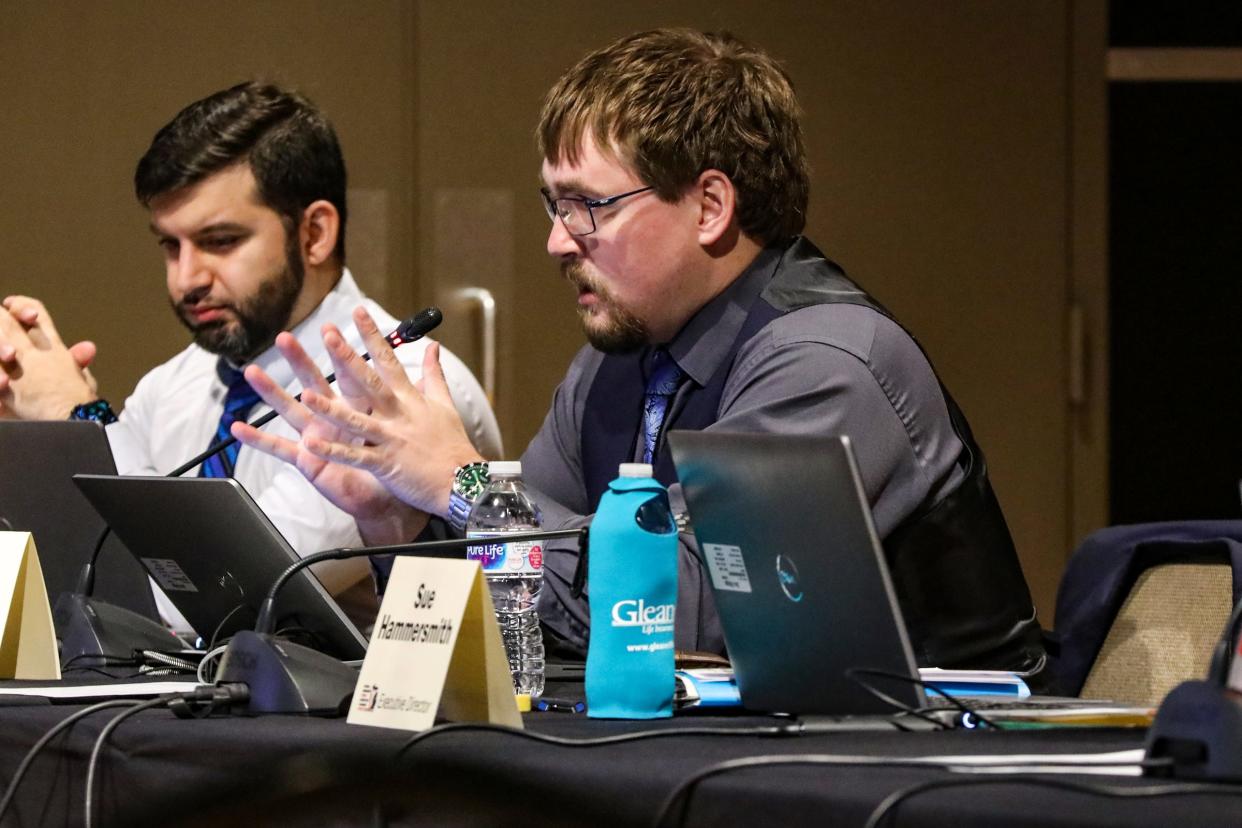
column 676, row 102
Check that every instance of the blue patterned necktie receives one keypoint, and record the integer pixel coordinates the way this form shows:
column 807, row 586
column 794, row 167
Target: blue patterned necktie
column 661, row 386
column 237, row 403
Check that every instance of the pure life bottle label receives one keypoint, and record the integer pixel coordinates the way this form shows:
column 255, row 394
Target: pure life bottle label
column 516, row 557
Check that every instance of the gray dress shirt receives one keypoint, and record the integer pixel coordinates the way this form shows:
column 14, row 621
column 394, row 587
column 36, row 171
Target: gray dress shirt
column 825, row 369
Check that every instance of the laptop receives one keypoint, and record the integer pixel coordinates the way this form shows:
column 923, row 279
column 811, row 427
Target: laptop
column 37, row 495
column 803, row 592
column 215, row 554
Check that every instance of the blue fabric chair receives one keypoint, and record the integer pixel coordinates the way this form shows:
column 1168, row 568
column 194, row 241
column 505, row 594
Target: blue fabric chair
column 1102, row 571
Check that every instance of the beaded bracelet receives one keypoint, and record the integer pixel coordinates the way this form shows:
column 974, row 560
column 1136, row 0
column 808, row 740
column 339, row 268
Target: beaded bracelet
column 98, row 411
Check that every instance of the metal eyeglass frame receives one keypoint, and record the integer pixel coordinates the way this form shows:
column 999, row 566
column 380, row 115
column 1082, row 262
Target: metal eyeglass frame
column 550, row 205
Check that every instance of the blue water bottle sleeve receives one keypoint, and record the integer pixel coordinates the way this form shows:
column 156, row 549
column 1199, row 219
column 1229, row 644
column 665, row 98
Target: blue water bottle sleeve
column 632, row 587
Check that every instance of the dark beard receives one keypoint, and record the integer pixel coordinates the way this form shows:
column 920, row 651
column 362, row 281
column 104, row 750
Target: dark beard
column 623, row 334
column 259, row 317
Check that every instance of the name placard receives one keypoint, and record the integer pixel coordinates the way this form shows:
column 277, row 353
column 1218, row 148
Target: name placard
column 27, row 638
column 435, row 647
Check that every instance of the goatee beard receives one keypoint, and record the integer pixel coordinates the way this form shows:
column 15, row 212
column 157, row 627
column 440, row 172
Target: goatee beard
column 609, row 327
column 259, row 317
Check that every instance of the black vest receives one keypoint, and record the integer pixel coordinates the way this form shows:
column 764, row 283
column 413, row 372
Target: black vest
column 953, row 564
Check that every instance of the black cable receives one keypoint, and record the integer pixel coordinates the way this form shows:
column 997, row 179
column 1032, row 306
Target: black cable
column 105, row 659
column 774, row 730
column 684, row 790
column 208, row 699
column 434, row 548
column 853, row 674
column 686, row 787
column 98, row 670
column 158, row 701
column 301, row 635
column 890, row 803
column 38, row 746
column 146, row 662
column 211, row 642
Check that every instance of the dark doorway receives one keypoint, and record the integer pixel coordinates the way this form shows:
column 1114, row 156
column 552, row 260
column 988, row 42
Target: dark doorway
column 1175, row 248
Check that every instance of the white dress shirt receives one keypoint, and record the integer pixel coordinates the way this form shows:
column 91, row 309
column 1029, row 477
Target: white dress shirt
column 173, row 413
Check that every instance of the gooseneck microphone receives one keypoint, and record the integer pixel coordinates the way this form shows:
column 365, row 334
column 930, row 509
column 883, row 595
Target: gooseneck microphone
column 411, row 330
column 284, row 677
column 434, row 549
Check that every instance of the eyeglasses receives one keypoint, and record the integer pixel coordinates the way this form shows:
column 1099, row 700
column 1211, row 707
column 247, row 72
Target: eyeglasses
column 577, row 213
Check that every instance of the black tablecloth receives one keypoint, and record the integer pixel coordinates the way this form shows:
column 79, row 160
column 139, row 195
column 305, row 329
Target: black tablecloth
column 276, row 770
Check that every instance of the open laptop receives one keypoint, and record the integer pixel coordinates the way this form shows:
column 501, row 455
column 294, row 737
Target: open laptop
column 215, row 554
column 797, row 571
column 37, row 495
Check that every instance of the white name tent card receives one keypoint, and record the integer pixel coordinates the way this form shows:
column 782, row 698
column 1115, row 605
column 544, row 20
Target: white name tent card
column 27, row 638
column 435, row 647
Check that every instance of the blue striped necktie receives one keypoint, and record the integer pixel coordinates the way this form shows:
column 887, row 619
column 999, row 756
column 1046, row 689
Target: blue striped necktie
column 237, row 403
column 662, row 384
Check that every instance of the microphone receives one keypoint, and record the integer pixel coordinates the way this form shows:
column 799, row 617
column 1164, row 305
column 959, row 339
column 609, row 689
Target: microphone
column 411, row 330
column 1198, row 727
column 284, row 677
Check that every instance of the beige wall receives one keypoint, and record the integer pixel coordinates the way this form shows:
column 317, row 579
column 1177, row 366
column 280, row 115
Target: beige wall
column 84, row 86
column 937, row 133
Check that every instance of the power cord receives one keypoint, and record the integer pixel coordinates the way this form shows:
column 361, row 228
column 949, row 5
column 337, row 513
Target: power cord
column 99, row 663
column 158, row 701
column 215, row 634
column 100, row 658
column 38, row 746
column 198, row 704
column 679, row 799
column 888, row 806
column 793, row 729
column 853, row 673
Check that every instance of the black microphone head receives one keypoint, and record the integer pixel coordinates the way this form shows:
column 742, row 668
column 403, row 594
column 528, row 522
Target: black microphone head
column 417, row 326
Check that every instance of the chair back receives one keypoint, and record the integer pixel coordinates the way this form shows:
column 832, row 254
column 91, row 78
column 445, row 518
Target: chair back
column 1163, row 634
column 1094, row 604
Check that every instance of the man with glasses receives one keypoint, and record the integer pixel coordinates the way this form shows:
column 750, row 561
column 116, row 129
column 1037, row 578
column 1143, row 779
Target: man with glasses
column 676, row 182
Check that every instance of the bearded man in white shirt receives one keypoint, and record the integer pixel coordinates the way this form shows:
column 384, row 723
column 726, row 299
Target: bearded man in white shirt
column 246, row 193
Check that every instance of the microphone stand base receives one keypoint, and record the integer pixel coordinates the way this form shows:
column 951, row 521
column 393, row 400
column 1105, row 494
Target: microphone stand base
column 1199, row 728
column 87, row 627
column 286, row 678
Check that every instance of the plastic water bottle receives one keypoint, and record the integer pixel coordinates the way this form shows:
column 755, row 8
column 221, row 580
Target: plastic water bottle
column 514, row 570
column 632, row 578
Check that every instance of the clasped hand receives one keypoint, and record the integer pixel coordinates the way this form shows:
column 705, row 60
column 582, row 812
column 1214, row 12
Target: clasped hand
column 40, row 378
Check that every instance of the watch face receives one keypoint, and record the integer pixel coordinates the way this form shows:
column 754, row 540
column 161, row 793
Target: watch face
column 470, row 480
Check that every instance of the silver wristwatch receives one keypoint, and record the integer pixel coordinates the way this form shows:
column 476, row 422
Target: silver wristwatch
column 469, row 481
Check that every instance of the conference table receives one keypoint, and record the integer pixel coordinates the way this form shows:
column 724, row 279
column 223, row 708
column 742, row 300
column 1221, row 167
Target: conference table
column 157, row 769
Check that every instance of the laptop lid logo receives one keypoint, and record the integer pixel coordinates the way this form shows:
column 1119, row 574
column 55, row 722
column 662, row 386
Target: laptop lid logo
column 787, row 577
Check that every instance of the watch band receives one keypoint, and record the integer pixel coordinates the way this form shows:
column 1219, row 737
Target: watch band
column 97, row 411
column 469, row 481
